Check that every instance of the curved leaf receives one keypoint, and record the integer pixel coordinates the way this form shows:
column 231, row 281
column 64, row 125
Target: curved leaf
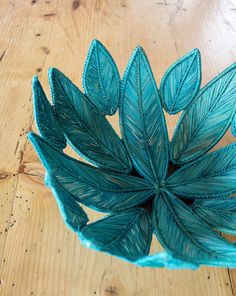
column 45, row 118
column 86, row 130
column 233, row 126
column 220, row 213
column 142, row 119
column 166, row 260
column 181, row 82
column 125, row 234
column 101, row 80
column 212, row 175
column 96, row 189
column 188, row 237
column 72, row 213
column 206, row 120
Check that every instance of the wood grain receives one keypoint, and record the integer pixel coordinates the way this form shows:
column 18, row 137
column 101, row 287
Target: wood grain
column 38, row 254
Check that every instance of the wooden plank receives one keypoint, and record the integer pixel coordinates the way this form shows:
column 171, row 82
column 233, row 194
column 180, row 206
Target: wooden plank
column 8, row 187
column 24, row 56
column 41, row 256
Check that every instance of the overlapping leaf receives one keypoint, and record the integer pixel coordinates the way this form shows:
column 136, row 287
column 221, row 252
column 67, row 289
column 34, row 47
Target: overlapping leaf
column 86, row 129
column 233, row 126
column 206, row 120
column 166, row 260
column 186, row 232
column 102, row 191
column 220, row 213
column 213, row 175
column 101, row 80
column 142, row 119
column 125, row 234
column 185, row 235
column 45, row 117
column 181, row 82
column 74, row 216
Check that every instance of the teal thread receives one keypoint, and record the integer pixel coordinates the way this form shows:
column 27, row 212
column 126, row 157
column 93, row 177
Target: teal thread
column 128, row 178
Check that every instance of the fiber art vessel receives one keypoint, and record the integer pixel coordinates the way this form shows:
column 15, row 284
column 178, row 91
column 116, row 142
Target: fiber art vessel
column 176, row 191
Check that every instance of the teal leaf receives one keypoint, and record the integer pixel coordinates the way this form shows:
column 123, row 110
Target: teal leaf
column 74, row 216
column 94, row 188
column 164, row 260
column 45, row 117
column 206, row 119
column 233, row 126
column 86, row 129
column 142, row 119
column 101, row 80
column 213, row 175
column 220, row 213
column 125, row 234
column 181, row 82
column 183, row 233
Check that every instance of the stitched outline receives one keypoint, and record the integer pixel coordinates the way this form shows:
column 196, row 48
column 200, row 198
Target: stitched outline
column 182, row 106
column 127, row 167
column 141, row 55
column 95, row 45
column 202, row 91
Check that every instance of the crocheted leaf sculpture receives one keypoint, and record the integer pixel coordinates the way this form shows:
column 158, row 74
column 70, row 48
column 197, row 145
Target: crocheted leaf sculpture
column 144, row 182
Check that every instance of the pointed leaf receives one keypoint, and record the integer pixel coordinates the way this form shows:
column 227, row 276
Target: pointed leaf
column 74, row 216
column 181, row 82
column 45, row 118
column 220, row 213
column 188, row 237
column 164, row 260
column 89, row 185
column 125, row 234
column 86, row 130
column 206, row 120
column 212, row 175
column 101, row 80
column 142, row 119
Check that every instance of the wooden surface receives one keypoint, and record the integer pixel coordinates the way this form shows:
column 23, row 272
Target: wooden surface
column 38, row 254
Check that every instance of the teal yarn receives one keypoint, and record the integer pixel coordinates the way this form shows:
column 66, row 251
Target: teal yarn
column 145, row 183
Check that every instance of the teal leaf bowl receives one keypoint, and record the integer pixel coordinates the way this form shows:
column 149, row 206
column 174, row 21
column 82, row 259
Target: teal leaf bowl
column 145, row 183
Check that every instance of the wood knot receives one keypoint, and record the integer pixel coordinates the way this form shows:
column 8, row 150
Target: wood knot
column 111, row 291
column 75, row 4
column 3, row 176
column 45, row 49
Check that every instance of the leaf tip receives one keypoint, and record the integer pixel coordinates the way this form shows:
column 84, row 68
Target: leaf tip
column 31, row 137
column 35, row 85
column 39, row 96
column 96, row 42
column 139, row 50
column 197, row 54
column 52, row 72
column 35, row 79
column 233, row 65
column 196, row 51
